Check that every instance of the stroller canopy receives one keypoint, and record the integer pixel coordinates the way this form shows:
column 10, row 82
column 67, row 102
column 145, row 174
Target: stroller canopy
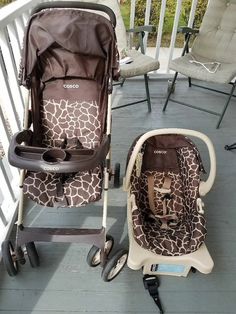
column 73, row 34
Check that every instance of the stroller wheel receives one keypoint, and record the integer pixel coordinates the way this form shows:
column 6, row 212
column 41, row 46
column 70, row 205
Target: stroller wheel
column 114, row 265
column 32, row 254
column 117, row 175
column 9, row 258
column 94, row 255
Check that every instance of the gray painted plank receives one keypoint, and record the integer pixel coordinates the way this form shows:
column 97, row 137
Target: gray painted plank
column 65, row 284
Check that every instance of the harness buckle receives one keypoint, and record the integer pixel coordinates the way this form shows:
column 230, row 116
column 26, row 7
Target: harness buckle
column 150, row 281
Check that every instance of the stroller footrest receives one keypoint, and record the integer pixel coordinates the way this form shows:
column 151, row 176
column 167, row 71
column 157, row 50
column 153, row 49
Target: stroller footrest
column 70, row 235
column 56, row 160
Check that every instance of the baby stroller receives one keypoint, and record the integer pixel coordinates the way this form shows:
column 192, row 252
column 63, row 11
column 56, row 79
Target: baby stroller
column 166, row 223
column 68, row 63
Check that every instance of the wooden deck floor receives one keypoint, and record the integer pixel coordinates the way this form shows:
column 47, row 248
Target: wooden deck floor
column 64, row 283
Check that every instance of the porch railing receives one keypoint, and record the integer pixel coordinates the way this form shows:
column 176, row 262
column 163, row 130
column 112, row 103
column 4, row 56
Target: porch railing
column 13, row 19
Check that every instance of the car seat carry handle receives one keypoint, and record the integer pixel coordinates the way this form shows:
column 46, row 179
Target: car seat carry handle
column 56, row 160
column 77, row 5
column 205, row 186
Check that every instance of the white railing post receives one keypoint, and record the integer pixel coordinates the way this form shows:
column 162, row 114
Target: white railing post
column 160, row 28
column 5, row 140
column 15, row 43
column 132, row 13
column 13, row 18
column 192, row 13
column 6, row 99
column 11, row 69
column 131, row 21
column 3, row 218
column 174, row 31
column 20, row 28
column 147, row 19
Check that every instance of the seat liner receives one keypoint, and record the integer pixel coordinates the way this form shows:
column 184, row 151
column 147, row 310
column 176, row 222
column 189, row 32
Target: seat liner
column 187, row 233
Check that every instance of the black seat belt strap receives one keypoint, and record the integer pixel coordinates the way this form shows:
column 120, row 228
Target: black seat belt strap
column 151, row 283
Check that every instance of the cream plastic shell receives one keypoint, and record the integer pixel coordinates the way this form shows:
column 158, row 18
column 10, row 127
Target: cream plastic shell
column 139, row 257
column 205, row 186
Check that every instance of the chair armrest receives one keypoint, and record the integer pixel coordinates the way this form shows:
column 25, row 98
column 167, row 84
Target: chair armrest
column 188, row 30
column 140, row 31
column 144, row 28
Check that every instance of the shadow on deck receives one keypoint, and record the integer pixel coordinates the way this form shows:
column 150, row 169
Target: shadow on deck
column 64, row 283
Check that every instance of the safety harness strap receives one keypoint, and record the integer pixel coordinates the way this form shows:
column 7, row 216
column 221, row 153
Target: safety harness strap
column 165, row 190
column 151, row 193
column 151, row 283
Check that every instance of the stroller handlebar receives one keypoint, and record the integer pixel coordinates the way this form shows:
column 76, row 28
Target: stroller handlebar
column 55, row 160
column 205, row 186
column 77, row 5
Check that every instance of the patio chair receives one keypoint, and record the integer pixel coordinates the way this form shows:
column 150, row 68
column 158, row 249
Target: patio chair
column 140, row 64
column 213, row 54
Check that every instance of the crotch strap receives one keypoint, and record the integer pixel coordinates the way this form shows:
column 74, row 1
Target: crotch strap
column 165, row 191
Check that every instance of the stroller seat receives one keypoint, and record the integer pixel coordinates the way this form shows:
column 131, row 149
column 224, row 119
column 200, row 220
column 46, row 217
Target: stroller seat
column 69, row 123
column 165, row 183
column 69, row 78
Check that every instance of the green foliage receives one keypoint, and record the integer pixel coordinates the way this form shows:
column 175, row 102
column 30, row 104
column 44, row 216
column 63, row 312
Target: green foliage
column 200, row 10
column 125, row 11
column 4, row 2
column 169, row 16
column 140, row 12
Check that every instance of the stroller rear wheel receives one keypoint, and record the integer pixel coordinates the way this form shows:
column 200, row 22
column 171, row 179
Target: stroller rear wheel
column 94, row 255
column 32, row 254
column 114, row 265
column 9, row 258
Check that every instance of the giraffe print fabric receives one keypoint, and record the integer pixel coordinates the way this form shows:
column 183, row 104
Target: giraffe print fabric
column 67, row 123
column 185, row 233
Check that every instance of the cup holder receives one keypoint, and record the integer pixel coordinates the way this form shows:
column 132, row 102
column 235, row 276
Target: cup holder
column 54, row 155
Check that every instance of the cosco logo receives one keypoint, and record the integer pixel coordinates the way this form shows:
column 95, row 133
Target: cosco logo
column 71, row 85
column 53, row 168
column 163, row 152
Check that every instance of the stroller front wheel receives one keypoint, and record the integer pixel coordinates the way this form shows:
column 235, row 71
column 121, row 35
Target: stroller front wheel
column 9, row 258
column 32, row 254
column 94, row 255
column 114, row 265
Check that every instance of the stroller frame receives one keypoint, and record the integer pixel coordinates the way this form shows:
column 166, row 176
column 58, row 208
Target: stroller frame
column 91, row 236
column 17, row 153
column 140, row 257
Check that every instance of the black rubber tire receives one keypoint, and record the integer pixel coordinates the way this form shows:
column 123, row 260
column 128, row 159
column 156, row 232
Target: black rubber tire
column 112, row 264
column 32, row 254
column 20, row 255
column 95, row 250
column 8, row 257
column 117, row 175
